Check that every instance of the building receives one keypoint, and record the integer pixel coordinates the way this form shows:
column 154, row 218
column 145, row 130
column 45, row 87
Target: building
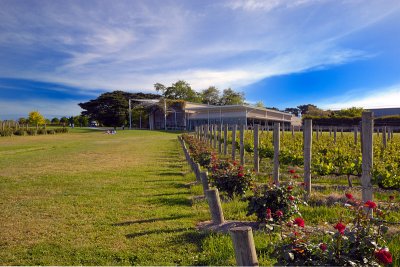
column 380, row 112
column 182, row 115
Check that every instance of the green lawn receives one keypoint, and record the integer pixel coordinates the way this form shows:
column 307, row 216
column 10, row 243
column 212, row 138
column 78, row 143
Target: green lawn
column 86, row 198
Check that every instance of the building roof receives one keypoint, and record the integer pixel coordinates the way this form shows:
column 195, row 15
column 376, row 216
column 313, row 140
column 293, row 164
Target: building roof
column 239, row 107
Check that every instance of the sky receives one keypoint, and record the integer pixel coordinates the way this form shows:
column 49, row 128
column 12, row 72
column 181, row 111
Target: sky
column 335, row 54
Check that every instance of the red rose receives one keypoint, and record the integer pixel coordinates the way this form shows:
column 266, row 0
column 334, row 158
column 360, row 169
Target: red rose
column 383, row 256
column 323, row 246
column 240, row 174
column 299, row 221
column 340, row 227
column 292, row 171
column 296, row 176
column 279, row 213
column 391, row 197
column 291, row 198
column 349, row 196
column 289, row 187
column 370, row 204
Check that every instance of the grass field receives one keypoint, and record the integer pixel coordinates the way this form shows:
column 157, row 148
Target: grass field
column 86, row 198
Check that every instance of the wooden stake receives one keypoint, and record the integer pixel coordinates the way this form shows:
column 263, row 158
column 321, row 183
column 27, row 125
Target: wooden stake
column 276, row 152
column 243, row 243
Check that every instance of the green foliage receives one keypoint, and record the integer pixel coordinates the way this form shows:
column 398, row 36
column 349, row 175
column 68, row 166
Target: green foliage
column 6, row 132
column 230, row 97
column 199, row 151
column 210, row 96
column 111, row 109
column 349, row 112
column 275, row 198
column 31, row 131
column 20, row 132
column 55, row 121
column 230, row 178
column 355, row 240
column 179, row 90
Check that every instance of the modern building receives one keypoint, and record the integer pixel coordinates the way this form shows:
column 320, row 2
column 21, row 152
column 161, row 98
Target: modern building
column 183, row 115
column 380, row 112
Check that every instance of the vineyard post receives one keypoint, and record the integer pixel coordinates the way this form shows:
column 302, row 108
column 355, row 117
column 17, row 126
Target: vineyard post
column 330, row 131
column 214, row 203
column 211, row 135
column 367, row 155
column 234, row 141
column 256, row 152
column 341, row 132
column 242, row 144
column 226, row 139
column 377, row 131
column 206, row 133
column 334, row 134
column 355, row 134
column 215, row 137
column 283, row 130
column 292, row 131
column 307, row 155
column 201, row 132
column 384, row 137
column 243, row 244
column 2, row 125
column 197, row 172
column 276, row 152
column 317, row 132
column 220, row 139
column 204, row 181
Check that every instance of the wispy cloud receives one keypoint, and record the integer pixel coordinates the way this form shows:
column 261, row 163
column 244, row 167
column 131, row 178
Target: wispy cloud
column 380, row 97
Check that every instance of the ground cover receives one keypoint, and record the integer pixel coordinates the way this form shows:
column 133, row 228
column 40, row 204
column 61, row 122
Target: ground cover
column 87, row 198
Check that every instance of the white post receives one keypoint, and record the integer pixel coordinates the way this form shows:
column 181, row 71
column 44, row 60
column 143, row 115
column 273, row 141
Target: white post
column 242, row 144
column 276, row 151
column 367, row 155
column 234, row 141
column 307, row 155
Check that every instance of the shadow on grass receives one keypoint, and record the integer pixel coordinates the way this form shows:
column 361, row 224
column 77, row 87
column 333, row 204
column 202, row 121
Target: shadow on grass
column 157, row 231
column 175, row 217
column 194, row 237
column 169, row 194
column 168, row 201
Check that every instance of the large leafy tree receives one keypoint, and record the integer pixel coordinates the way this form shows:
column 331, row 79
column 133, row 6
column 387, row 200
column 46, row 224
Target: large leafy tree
column 111, row 109
column 294, row 111
column 305, row 108
column 230, row 97
column 210, row 96
column 180, row 90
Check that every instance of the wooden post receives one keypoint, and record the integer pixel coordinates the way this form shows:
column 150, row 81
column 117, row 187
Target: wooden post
column 215, row 137
column 317, row 132
column 330, row 131
column 384, row 137
column 334, row 134
column 307, row 155
column 204, row 181
column 234, row 127
column 220, row 139
column 256, row 151
column 276, row 152
column 355, row 134
column 226, row 139
column 197, row 172
column 214, row 204
column 341, row 132
column 377, row 131
column 367, row 155
column 243, row 244
column 292, row 131
column 242, row 144
column 211, row 132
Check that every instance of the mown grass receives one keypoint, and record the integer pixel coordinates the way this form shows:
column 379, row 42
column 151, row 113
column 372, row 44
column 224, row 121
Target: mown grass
column 86, row 198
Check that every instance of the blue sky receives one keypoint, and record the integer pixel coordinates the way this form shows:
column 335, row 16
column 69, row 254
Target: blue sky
column 332, row 53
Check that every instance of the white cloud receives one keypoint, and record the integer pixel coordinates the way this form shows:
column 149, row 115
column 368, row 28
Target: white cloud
column 381, row 97
column 265, row 5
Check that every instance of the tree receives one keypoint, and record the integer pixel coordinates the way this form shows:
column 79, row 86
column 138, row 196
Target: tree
column 36, row 118
column 160, row 88
column 111, row 109
column 64, row 121
column 230, row 97
column 23, row 121
column 55, row 121
column 210, row 96
column 304, row 108
column 260, row 104
column 83, row 121
column 350, row 112
column 273, row 108
column 315, row 111
column 294, row 111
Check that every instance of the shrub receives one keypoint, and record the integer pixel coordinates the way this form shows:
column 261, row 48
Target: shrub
column 42, row 131
column 268, row 199
column 200, row 151
column 19, row 132
column 230, row 178
column 6, row 132
column 31, row 131
column 51, row 131
column 354, row 241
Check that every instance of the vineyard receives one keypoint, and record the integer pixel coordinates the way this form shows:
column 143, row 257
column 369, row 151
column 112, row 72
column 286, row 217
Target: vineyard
column 321, row 177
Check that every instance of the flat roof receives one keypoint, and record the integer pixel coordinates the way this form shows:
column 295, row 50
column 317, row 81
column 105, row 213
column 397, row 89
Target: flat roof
column 217, row 108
